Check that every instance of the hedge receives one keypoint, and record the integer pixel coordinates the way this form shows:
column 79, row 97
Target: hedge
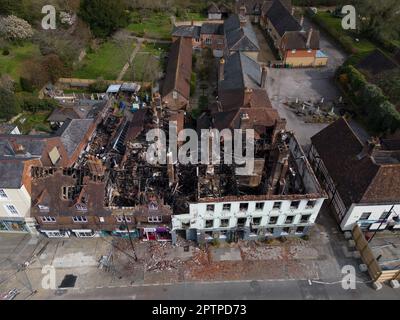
column 374, row 106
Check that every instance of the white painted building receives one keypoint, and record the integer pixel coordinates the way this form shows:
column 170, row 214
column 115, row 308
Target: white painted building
column 15, row 203
column 257, row 216
column 360, row 176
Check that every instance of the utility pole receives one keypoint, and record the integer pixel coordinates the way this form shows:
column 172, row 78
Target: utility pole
column 130, row 238
column 380, row 225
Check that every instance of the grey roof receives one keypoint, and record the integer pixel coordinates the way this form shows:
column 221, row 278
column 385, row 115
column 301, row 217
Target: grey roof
column 33, row 146
column 6, row 128
column 11, row 172
column 212, row 28
column 232, row 23
column 282, row 19
column 71, row 133
column 240, row 72
column 240, row 38
column 186, row 31
column 298, row 40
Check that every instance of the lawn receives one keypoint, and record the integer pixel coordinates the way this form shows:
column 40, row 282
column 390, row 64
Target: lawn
column 149, row 53
column 12, row 63
column 107, row 61
column 29, row 121
column 155, row 25
column 196, row 16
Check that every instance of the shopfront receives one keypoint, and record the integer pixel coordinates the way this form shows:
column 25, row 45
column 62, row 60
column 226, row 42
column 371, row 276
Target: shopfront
column 156, row 234
column 13, row 226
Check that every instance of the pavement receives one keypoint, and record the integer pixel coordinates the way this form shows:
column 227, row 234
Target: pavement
column 295, row 269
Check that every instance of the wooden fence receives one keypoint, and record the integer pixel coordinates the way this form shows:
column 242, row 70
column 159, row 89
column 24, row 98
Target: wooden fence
column 367, row 255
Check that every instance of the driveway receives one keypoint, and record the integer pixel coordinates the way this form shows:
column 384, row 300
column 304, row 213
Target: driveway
column 284, row 85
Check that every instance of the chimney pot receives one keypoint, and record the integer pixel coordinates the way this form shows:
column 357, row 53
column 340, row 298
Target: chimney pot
column 221, row 69
column 264, row 73
column 310, row 32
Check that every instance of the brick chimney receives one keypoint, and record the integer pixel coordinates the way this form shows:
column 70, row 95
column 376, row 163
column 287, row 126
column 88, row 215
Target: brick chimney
column 309, row 35
column 242, row 10
column 221, row 69
column 264, row 73
column 247, row 96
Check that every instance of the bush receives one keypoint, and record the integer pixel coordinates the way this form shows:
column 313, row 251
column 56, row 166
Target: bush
column 99, row 86
column 6, row 52
column 31, row 103
column 374, row 106
column 26, row 84
column 9, row 106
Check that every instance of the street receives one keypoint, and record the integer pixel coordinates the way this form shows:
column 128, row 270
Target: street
column 237, row 290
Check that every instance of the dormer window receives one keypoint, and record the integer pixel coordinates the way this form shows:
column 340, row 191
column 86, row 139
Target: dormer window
column 81, row 207
column 174, row 95
column 43, row 208
column 3, row 194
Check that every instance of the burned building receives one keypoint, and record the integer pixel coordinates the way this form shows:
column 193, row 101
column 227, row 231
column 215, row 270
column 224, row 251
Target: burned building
column 282, row 197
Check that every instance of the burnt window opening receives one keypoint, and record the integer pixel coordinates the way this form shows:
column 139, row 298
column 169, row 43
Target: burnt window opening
column 209, row 223
column 294, row 204
column 273, row 220
column 257, row 221
column 224, row 223
column 210, row 207
column 311, row 204
column 244, row 206
column 277, row 205
column 289, row 219
column 300, row 229
column 259, row 206
column 305, row 218
column 286, row 230
column 241, row 222
column 226, row 207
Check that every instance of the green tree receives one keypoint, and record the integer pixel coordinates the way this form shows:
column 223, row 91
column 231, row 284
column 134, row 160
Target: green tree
column 104, row 16
column 379, row 19
column 8, row 104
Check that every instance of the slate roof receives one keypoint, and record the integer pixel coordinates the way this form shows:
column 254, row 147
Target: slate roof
column 212, row 28
column 71, row 133
column 240, row 72
column 11, row 172
column 298, row 40
column 359, row 179
column 282, row 19
column 240, row 38
column 6, row 128
column 186, row 31
column 179, row 69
